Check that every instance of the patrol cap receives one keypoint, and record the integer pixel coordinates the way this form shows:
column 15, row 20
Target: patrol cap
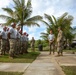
column 27, row 34
column 4, row 27
column 24, row 33
column 17, row 26
column 13, row 24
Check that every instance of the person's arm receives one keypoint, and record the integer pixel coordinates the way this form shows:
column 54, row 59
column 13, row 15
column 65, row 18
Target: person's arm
column 48, row 38
column 9, row 33
column 61, row 35
column 1, row 36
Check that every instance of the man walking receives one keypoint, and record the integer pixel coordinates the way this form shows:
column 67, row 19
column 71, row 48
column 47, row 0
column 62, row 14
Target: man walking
column 51, row 41
column 60, row 42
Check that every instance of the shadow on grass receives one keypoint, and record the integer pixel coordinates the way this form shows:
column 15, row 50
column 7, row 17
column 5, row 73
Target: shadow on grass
column 25, row 58
column 69, row 70
column 10, row 73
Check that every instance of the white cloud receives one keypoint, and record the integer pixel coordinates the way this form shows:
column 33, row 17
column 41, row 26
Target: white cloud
column 51, row 7
column 4, row 3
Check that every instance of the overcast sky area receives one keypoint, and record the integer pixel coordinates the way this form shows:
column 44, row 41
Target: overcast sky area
column 51, row 7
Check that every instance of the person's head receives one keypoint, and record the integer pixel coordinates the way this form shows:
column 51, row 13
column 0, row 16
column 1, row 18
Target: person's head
column 27, row 35
column 59, row 28
column 5, row 28
column 51, row 31
column 20, row 31
column 24, row 33
column 18, row 28
column 13, row 25
column 32, row 37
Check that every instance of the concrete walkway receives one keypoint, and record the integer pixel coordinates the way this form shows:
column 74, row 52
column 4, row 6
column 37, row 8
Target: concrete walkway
column 66, row 60
column 45, row 64
column 13, row 67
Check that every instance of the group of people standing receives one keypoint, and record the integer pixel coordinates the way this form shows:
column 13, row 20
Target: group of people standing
column 58, row 44
column 13, row 41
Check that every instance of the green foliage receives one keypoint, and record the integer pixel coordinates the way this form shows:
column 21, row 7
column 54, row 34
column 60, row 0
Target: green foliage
column 25, row 58
column 69, row 70
column 10, row 73
column 21, row 14
column 53, row 23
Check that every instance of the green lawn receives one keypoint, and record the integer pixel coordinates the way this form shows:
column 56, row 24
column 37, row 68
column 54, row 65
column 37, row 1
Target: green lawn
column 10, row 73
column 25, row 58
column 69, row 70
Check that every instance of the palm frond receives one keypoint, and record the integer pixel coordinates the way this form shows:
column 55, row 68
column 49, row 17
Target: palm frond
column 45, row 23
column 49, row 18
column 31, row 23
column 8, row 10
column 35, row 18
column 29, row 4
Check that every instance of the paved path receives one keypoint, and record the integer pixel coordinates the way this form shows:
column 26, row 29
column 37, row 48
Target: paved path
column 66, row 60
column 45, row 64
column 13, row 67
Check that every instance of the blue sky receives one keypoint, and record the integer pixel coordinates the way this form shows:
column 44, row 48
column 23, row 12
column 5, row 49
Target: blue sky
column 51, row 7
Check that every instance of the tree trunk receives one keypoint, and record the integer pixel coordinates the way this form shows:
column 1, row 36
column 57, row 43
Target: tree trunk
column 21, row 29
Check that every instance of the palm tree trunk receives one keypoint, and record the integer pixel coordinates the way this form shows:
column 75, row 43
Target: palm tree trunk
column 21, row 29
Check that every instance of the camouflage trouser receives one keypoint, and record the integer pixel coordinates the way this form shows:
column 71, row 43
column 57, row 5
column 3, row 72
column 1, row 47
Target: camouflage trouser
column 33, row 47
column 23, row 47
column 3, row 46
column 0, row 44
column 26, row 47
column 51, row 47
column 17, row 46
column 60, row 47
column 12, row 47
column 8, row 46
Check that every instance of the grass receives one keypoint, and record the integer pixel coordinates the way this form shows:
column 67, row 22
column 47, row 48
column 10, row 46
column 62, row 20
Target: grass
column 25, row 58
column 69, row 70
column 10, row 73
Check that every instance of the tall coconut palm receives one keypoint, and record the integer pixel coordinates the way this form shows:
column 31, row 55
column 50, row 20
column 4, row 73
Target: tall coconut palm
column 21, row 14
column 63, row 21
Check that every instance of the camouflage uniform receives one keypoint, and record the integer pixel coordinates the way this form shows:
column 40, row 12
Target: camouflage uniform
column 33, row 44
column 60, row 42
column 51, row 42
column 18, row 43
column 12, row 42
column 26, row 44
column 3, row 42
column 23, row 44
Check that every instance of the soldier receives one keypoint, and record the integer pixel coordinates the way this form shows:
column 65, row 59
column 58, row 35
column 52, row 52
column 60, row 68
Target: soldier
column 23, row 43
column 51, row 41
column 33, row 44
column 18, row 35
column 26, row 43
column 4, row 41
column 12, row 36
column 8, row 43
column 60, row 42
column 0, row 40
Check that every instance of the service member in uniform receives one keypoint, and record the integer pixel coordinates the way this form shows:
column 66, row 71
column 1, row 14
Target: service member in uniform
column 18, row 35
column 4, row 41
column 12, row 36
column 60, row 42
column 51, row 39
column 33, row 44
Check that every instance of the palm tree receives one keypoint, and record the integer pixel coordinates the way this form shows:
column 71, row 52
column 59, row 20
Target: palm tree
column 21, row 14
column 63, row 21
